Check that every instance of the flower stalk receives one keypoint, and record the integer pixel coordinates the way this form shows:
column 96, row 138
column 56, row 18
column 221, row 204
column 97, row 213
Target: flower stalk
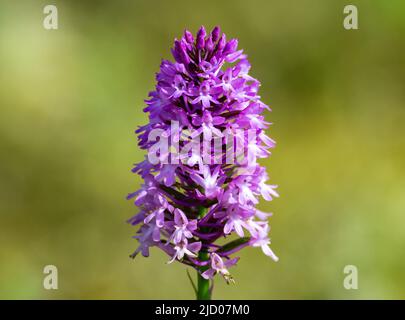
column 203, row 285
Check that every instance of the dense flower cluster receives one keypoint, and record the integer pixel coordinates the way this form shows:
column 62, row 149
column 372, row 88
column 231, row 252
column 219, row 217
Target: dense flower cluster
column 186, row 206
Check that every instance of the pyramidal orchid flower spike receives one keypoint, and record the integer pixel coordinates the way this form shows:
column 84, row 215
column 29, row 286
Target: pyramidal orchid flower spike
column 202, row 181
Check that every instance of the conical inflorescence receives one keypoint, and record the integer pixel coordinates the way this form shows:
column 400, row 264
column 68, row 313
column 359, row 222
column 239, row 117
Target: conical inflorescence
column 202, row 181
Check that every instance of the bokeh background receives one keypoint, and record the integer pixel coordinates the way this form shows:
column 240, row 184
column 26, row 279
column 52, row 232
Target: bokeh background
column 71, row 98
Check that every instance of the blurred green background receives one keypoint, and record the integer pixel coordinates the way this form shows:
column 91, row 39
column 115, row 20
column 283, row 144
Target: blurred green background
column 71, row 98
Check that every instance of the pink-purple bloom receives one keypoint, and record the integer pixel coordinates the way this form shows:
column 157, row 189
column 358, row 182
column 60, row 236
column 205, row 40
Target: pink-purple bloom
column 187, row 206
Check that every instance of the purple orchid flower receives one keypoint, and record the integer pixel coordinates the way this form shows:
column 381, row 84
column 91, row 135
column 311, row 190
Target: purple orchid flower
column 185, row 248
column 188, row 207
column 217, row 265
column 183, row 227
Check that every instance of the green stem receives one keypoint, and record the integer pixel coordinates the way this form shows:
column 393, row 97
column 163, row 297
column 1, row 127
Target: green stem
column 203, row 285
